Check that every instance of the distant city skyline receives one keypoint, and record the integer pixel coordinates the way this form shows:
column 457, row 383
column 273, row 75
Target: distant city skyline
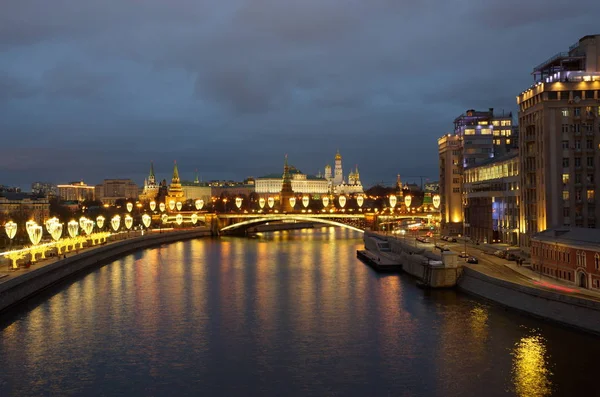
column 96, row 89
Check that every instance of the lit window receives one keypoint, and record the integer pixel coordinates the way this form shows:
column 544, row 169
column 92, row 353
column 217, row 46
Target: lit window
column 496, row 123
column 590, row 194
column 469, row 131
column 496, row 132
column 483, row 123
column 508, row 132
column 508, row 141
column 565, row 112
column 565, row 194
column 486, row 131
column 565, row 178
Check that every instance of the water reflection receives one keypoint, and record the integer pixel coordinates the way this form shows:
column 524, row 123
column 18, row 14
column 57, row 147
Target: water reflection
column 531, row 375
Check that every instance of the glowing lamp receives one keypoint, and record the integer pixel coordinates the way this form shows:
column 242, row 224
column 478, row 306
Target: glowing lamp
column 152, row 205
column 73, row 228
column 56, row 232
column 238, row 202
column 172, row 205
column 194, row 218
column 35, row 234
column 50, row 224
column 162, row 207
column 115, row 222
column 342, row 201
column 179, row 205
column 271, row 202
column 11, row 229
column 179, row 219
column 100, row 221
column 129, row 207
column 292, row 201
column 82, row 221
column 261, row 202
column 393, row 201
column 437, row 200
column 199, row 204
column 305, row 201
column 128, row 221
column 88, row 226
column 325, row 201
column 407, row 201
column 164, row 218
column 146, row 219
column 360, row 200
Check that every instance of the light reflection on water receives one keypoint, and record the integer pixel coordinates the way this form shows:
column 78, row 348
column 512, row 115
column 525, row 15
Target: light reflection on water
column 290, row 313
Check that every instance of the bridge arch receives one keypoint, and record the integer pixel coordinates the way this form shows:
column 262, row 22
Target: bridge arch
column 256, row 221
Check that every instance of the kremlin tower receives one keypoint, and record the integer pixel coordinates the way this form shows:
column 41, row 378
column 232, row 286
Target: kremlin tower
column 175, row 190
column 286, row 189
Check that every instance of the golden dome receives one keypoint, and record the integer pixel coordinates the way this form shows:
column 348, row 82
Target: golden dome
column 338, row 156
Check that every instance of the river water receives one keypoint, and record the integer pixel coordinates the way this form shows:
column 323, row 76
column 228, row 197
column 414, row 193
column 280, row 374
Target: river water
column 282, row 314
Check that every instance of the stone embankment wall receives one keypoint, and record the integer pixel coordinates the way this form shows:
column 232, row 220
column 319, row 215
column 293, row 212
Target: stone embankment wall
column 19, row 288
column 568, row 310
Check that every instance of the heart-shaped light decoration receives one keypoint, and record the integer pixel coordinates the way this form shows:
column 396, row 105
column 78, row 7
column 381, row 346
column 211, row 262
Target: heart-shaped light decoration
column 172, row 205
column 129, row 207
column 325, row 201
column 73, row 228
column 199, row 204
column 238, row 202
column 82, row 221
column 128, row 221
column 342, row 201
column 261, row 202
column 292, row 201
column 11, row 229
column 271, row 202
column 36, row 234
column 56, row 232
column 164, row 218
column 100, row 221
column 305, row 201
column 29, row 226
column 437, row 200
column 393, row 201
column 162, row 207
column 179, row 219
column 146, row 219
column 407, row 201
column 360, row 200
column 179, row 205
column 115, row 222
column 88, row 226
column 194, row 218
column 152, row 205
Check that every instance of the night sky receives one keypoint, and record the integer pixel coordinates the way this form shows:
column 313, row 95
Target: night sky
column 97, row 89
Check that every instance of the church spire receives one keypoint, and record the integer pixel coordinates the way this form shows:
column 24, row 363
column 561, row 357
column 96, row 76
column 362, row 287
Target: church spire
column 175, row 174
column 152, row 169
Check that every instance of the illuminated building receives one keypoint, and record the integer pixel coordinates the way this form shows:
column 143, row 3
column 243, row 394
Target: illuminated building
column 337, row 184
column 43, row 189
column 22, row 206
column 301, row 183
column 286, row 189
column 478, row 137
column 76, row 191
column 175, row 192
column 111, row 190
column 569, row 254
column 151, row 188
column 559, row 121
column 492, row 200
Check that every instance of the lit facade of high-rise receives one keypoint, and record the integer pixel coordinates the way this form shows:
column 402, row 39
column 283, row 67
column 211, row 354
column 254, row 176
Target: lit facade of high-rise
column 559, row 118
column 111, row 190
column 76, row 191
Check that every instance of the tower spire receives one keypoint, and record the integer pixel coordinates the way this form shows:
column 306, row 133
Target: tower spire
column 196, row 180
column 175, row 173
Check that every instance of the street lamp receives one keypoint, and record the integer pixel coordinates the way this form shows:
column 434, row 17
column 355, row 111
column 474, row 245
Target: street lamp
column 73, row 228
column 100, row 222
column 152, row 205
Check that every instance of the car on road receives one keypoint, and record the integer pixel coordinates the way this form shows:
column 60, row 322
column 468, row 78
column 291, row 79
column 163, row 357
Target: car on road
column 463, row 255
column 452, row 239
column 472, row 260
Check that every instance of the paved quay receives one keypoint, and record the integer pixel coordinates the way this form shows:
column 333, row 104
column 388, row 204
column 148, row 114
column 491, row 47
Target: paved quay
column 503, row 269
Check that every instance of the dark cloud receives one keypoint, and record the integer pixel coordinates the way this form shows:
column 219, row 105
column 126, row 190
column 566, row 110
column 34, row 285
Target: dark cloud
column 229, row 87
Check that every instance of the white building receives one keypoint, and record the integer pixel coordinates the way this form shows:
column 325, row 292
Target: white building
column 337, row 184
column 301, row 183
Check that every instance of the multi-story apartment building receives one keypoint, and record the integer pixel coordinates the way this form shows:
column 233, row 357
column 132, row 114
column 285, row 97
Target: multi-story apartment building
column 478, row 137
column 559, row 118
column 492, row 200
column 111, row 190
column 43, row 189
column 23, row 207
column 76, row 191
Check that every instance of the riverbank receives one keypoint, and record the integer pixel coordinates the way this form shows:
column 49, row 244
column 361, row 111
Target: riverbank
column 20, row 285
column 518, row 287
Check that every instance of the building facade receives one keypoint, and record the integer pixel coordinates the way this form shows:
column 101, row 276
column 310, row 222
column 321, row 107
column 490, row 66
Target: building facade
column 24, row 207
column 491, row 190
column 111, row 190
column 559, row 118
column 301, row 183
column 568, row 254
column 151, row 187
column 478, row 137
column 76, row 191
column 43, row 189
